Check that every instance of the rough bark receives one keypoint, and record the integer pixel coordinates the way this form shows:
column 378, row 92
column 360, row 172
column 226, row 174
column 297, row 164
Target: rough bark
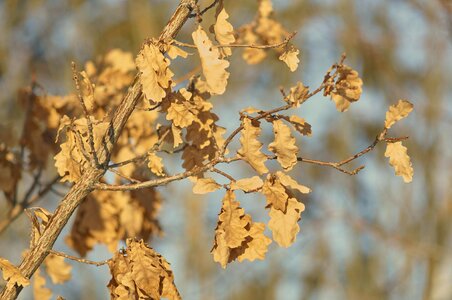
column 81, row 189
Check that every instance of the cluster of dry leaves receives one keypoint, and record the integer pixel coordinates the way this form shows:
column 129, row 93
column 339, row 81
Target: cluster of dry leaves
column 173, row 121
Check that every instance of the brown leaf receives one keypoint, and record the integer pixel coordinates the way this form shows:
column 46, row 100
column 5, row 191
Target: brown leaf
column 214, row 68
column 155, row 164
column 301, row 125
column 141, row 273
column 155, row 75
column 399, row 159
column 180, row 115
column 290, row 57
column 247, row 184
column 275, row 193
column 347, row 88
column 224, row 32
column 258, row 245
column 58, row 270
column 298, row 94
column 12, row 275
column 284, row 145
column 204, row 185
column 40, row 291
column 251, row 147
column 397, row 112
column 284, row 225
column 288, row 182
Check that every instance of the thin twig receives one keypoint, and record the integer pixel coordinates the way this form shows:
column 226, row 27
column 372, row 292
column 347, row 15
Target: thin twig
column 17, row 209
column 200, row 13
column 277, row 45
column 223, row 174
column 80, row 260
column 124, row 176
column 93, row 157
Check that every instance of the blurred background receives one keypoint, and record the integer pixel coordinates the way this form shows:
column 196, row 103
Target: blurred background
column 368, row 236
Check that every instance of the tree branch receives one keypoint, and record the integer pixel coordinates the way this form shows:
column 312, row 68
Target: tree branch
column 91, row 176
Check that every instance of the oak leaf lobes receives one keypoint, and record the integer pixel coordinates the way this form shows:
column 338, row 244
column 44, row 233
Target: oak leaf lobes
column 397, row 112
column 141, row 273
column 284, row 145
column 155, row 75
column 40, row 291
column 204, row 185
column 214, row 68
column 236, row 236
column 251, row 147
column 399, row 159
column 284, row 225
column 290, row 58
column 247, row 184
column 12, row 274
column 346, row 89
column 224, row 32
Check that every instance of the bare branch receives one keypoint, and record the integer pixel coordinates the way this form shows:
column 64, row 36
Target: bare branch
column 80, row 260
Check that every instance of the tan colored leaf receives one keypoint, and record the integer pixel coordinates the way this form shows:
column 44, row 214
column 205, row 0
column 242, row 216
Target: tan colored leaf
column 298, row 94
column 399, row 159
column 265, row 8
column 284, row 226
column 347, row 88
column 141, row 273
column 177, row 135
column 258, row 245
column 247, row 184
column 180, row 115
column 120, row 60
column 250, row 110
column 174, row 51
column 12, row 274
column 214, row 68
column 236, row 236
column 232, row 221
column 58, row 270
column 288, row 182
column 204, row 185
column 251, row 147
column 40, row 291
column 155, row 75
column 301, row 125
column 155, row 164
column 275, row 193
column 252, row 56
column 397, row 112
column 284, row 145
column 290, row 57
column 224, row 32
column 220, row 250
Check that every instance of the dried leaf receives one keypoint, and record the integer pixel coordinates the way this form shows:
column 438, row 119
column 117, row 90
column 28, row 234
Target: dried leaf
column 288, row 182
column 258, row 245
column 12, row 274
column 275, row 193
column 40, row 291
column 180, row 114
column 224, row 32
column 298, row 94
column 347, row 88
column 397, row 112
column 251, row 147
column 232, row 221
column 155, row 164
column 284, row 145
column 174, row 51
column 58, row 270
column 141, row 273
column 399, row 159
column 247, row 184
column 214, row 68
column 284, row 225
column 236, row 236
column 155, row 75
column 204, row 185
column 290, row 57
column 301, row 125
